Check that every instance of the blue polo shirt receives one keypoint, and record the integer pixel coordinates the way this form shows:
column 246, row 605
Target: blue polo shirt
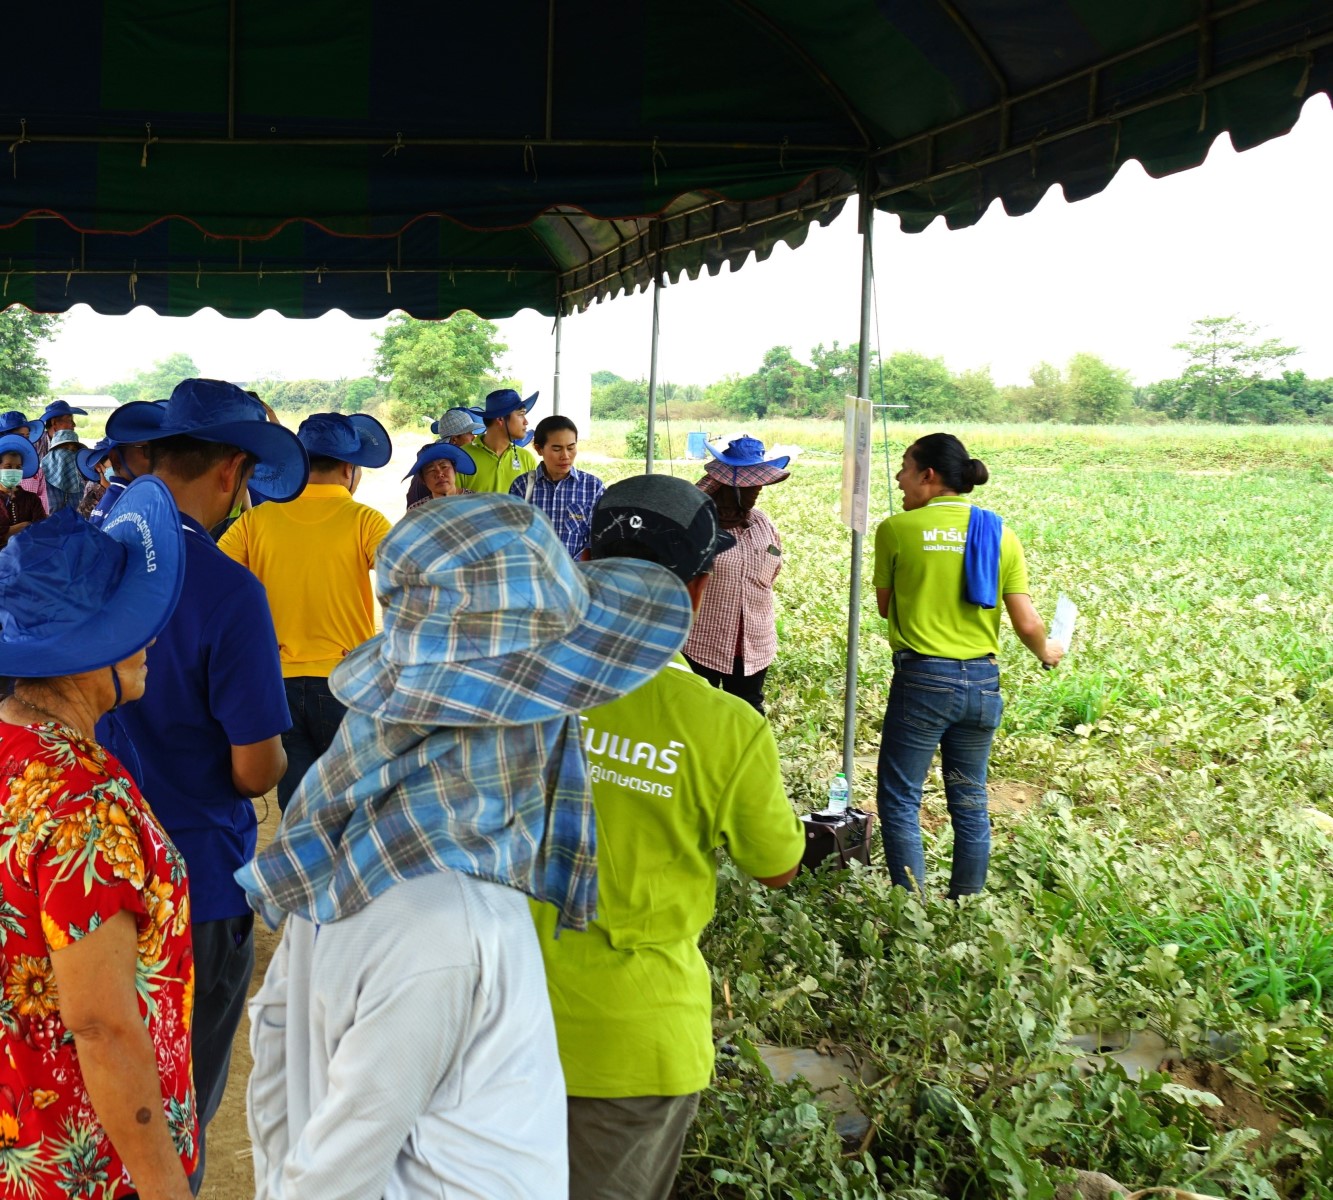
column 214, row 681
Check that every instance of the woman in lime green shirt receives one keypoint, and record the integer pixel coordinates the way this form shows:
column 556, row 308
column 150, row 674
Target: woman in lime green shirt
column 946, row 684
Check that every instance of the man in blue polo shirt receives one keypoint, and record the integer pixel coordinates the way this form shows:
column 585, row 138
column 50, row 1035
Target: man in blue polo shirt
column 208, row 734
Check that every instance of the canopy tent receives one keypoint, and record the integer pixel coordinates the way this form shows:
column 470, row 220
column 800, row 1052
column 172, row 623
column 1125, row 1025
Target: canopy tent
column 370, row 157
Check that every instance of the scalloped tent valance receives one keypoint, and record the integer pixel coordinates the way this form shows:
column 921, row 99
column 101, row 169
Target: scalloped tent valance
column 365, row 156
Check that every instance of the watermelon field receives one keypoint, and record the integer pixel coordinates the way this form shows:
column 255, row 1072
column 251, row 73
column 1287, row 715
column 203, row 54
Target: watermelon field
column 1163, row 861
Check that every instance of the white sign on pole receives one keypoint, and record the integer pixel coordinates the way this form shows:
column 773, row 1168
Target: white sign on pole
column 857, row 431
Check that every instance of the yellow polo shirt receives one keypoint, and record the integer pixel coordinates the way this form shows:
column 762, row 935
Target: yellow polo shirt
column 495, row 472
column 314, row 557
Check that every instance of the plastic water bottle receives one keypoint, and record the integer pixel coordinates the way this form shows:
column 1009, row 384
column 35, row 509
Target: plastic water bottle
column 837, row 795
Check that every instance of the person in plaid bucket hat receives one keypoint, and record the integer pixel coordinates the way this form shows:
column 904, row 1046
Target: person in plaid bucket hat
column 734, row 639
column 457, row 784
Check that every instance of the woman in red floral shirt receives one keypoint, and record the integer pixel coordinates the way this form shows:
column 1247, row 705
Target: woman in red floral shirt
column 98, row 975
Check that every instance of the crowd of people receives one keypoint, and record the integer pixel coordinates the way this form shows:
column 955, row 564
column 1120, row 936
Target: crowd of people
column 500, row 814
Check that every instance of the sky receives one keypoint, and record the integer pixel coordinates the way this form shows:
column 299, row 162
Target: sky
column 1120, row 275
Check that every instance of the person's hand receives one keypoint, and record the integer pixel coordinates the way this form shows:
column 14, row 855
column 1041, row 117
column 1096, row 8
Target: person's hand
column 1051, row 658
column 14, row 530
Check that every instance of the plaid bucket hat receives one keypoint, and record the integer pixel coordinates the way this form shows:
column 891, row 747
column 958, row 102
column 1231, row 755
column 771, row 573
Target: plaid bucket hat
column 488, row 621
column 742, row 464
column 457, row 420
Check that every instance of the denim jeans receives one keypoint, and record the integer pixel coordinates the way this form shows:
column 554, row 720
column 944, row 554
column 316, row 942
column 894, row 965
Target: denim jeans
column 316, row 715
column 954, row 704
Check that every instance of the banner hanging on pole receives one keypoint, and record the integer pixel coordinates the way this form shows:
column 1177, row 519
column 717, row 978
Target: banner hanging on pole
column 856, row 437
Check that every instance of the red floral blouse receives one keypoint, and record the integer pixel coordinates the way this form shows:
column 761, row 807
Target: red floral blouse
column 78, row 844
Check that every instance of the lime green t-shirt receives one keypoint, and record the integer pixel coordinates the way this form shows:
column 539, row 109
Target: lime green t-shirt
column 495, row 472
column 919, row 555
column 678, row 769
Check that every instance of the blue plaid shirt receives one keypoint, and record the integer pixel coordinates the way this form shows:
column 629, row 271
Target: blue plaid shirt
column 569, row 503
column 389, row 802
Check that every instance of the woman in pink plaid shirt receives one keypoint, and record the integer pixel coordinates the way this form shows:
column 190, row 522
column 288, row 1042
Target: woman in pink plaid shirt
column 734, row 638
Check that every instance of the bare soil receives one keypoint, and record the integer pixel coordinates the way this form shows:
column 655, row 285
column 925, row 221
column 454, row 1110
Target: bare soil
column 229, row 1174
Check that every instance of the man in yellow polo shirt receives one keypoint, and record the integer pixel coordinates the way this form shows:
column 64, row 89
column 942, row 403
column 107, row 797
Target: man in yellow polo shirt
column 314, row 557
column 501, row 453
column 678, row 769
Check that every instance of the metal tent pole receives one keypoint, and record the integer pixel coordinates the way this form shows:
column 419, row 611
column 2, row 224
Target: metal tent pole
column 652, row 382
column 867, row 209
column 555, row 385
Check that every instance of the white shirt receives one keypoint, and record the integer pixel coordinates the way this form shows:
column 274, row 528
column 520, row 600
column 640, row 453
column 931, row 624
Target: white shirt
column 408, row 1051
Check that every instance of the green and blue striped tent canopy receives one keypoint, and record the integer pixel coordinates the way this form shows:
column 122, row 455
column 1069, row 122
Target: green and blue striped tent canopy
column 247, row 155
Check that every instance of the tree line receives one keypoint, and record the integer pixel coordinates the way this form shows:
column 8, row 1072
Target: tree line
column 1231, row 374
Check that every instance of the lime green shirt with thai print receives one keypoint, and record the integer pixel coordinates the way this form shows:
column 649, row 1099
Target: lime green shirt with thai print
column 919, row 555
column 679, row 769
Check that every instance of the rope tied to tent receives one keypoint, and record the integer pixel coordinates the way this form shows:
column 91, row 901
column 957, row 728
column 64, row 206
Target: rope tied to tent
column 319, row 273
column 782, row 153
column 198, row 272
column 397, row 145
column 388, row 279
column 148, row 130
column 14, row 146
column 134, row 282
column 656, row 155
column 1203, row 113
column 529, row 157
column 1299, row 90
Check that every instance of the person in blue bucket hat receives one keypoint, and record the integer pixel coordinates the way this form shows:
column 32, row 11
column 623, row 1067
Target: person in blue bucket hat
column 314, row 557
column 459, row 427
column 409, row 969
column 734, row 639
column 501, row 454
column 94, row 464
column 96, row 895
column 209, row 736
column 436, row 471
column 18, row 508
column 34, row 429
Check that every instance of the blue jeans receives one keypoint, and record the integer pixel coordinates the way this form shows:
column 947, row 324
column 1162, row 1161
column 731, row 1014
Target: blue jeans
column 316, row 715
column 954, row 704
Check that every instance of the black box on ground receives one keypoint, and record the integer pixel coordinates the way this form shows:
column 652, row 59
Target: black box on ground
column 841, row 837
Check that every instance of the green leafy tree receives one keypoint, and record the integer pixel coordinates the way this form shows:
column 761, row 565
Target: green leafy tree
column 1098, row 393
column 432, row 365
column 157, row 382
column 978, row 399
column 23, row 371
column 923, row 384
column 1226, row 359
column 618, row 399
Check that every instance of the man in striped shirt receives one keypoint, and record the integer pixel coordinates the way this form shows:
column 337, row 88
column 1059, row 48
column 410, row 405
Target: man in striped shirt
column 566, row 495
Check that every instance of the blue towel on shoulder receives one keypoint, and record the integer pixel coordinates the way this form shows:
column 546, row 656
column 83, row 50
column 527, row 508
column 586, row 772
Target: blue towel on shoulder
column 981, row 558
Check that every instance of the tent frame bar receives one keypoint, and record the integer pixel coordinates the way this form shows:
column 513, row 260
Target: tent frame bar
column 866, row 214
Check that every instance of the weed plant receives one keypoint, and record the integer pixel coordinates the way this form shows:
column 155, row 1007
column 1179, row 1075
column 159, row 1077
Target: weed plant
column 1165, row 879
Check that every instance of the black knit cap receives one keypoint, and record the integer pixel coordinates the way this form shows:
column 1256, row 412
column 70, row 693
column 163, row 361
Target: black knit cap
column 667, row 520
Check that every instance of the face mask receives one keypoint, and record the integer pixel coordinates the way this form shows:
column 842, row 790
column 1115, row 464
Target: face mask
column 11, row 477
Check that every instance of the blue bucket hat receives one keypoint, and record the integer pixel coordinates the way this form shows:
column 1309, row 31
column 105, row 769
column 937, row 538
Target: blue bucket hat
column 505, row 401
column 462, row 460
column 356, row 439
column 488, row 621
column 742, row 464
column 213, row 411
column 62, row 408
column 458, row 420
column 13, row 419
column 16, row 443
column 89, row 458
column 76, row 598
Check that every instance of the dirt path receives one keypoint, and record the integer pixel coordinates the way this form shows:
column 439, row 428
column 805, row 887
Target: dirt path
column 230, row 1172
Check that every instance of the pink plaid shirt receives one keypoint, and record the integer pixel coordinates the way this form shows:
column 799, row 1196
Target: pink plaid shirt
column 735, row 619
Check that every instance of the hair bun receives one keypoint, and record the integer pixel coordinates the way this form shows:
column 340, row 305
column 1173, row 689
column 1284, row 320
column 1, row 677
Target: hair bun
column 976, row 471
